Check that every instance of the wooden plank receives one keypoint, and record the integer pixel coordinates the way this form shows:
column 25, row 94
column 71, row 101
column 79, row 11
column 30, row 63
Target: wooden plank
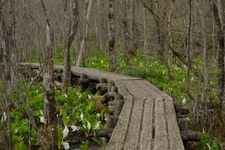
column 173, row 129
column 123, row 90
column 134, row 89
column 146, row 137
column 175, row 141
column 148, row 89
column 154, row 88
column 161, row 135
column 132, row 139
column 93, row 73
column 120, row 132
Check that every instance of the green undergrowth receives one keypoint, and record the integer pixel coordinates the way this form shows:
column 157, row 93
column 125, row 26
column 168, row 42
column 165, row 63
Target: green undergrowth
column 152, row 70
column 76, row 111
column 208, row 142
column 155, row 72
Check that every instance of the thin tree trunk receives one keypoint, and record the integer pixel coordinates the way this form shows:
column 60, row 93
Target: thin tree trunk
column 189, row 47
column 126, row 33
column 82, row 47
column 132, row 49
column 146, row 31
column 8, row 47
column 50, row 110
column 169, row 56
column 99, row 26
column 219, row 18
column 72, row 30
column 204, row 41
column 112, row 52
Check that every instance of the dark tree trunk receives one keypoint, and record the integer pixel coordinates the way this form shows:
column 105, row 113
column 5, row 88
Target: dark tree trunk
column 8, row 24
column 219, row 18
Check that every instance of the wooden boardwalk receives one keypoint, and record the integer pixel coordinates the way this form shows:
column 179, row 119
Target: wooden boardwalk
column 147, row 120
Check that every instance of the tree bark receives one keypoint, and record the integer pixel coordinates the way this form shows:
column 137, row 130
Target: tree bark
column 204, row 41
column 126, row 33
column 146, row 31
column 220, row 22
column 111, row 23
column 72, row 30
column 132, row 49
column 50, row 110
column 8, row 46
column 189, row 47
column 88, row 3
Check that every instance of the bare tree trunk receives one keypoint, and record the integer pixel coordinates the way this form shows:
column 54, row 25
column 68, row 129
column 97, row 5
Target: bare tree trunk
column 204, row 41
column 146, row 31
column 219, row 18
column 132, row 49
column 8, row 47
column 168, row 57
column 189, row 47
column 50, row 110
column 99, row 23
column 126, row 33
column 72, row 30
column 88, row 4
column 112, row 52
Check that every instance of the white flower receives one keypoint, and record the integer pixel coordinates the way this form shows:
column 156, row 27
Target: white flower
column 66, row 145
column 82, row 116
column 65, row 96
column 4, row 117
column 75, row 128
column 42, row 119
column 98, row 114
column 184, row 101
column 88, row 125
column 89, row 96
column 97, row 125
column 65, row 132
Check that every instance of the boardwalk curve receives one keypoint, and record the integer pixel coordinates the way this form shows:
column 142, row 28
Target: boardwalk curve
column 147, row 120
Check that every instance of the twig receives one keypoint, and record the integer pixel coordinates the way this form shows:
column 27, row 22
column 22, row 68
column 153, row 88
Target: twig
column 31, row 83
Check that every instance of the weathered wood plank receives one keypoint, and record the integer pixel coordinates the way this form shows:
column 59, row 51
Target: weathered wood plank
column 161, row 134
column 146, row 137
column 132, row 139
column 134, row 89
column 175, row 141
column 120, row 132
column 173, row 129
column 149, row 91
column 91, row 73
column 158, row 91
column 123, row 90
